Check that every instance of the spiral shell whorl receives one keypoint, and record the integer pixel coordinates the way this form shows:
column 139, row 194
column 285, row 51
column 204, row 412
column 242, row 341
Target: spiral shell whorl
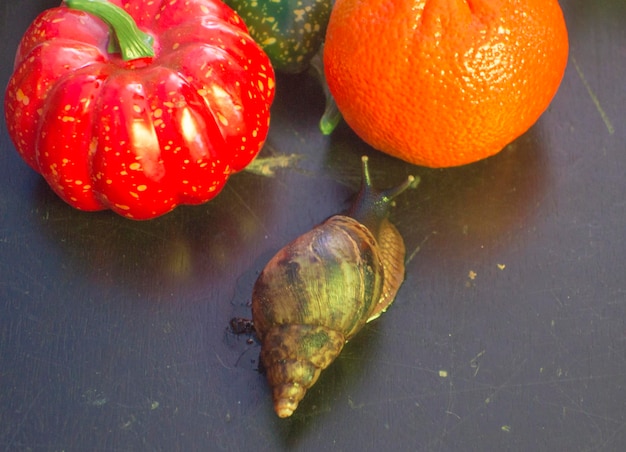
column 295, row 356
column 313, row 296
column 330, row 276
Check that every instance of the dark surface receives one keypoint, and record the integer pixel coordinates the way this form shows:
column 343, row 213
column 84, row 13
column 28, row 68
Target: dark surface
column 508, row 334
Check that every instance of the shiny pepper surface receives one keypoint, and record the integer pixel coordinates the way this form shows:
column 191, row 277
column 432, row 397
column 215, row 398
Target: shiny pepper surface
column 138, row 105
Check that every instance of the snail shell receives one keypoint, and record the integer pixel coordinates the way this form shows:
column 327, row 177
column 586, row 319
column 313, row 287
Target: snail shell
column 318, row 291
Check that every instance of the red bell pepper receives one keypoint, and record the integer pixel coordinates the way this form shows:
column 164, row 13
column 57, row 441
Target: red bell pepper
column 138, row 105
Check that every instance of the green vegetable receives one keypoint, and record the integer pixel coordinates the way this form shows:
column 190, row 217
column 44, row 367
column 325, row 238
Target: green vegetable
column 290, row 31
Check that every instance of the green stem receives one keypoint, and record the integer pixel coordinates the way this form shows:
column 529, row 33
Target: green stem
column 131, row 41
column 332, row 116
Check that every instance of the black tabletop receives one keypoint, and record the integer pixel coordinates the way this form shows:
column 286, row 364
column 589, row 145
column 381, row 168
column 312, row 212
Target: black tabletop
column 509, row 332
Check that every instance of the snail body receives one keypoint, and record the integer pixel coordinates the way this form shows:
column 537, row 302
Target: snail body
column 318, row 291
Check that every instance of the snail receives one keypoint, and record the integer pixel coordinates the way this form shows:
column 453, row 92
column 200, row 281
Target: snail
column 318, row 291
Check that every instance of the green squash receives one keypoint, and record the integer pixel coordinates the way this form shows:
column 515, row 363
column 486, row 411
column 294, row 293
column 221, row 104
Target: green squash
column 290, row 31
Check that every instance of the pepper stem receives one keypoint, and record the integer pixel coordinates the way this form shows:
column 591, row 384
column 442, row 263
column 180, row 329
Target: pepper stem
column 126, row 37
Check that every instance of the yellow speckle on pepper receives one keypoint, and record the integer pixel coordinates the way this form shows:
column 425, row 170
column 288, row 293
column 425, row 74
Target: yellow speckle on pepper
column 223, row 119
column 21, row 97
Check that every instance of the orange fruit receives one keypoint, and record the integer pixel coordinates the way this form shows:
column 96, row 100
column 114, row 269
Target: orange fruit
column 443, row 83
